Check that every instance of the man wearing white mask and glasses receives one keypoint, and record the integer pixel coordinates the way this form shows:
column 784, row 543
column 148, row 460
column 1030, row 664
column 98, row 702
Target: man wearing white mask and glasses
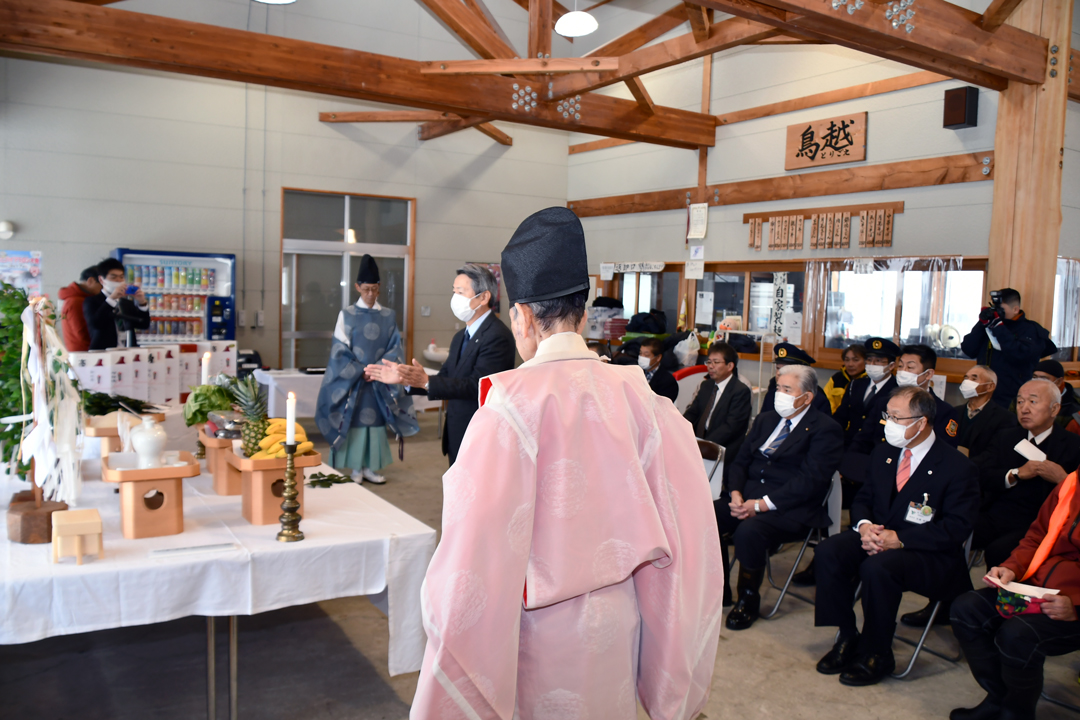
column 909, row 522
column 979, row 418
column 485, row 346
column 777, row 483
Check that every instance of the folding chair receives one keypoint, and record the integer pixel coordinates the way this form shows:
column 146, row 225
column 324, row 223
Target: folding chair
column 1059, row 703
column 834, row 489
column 713, row 453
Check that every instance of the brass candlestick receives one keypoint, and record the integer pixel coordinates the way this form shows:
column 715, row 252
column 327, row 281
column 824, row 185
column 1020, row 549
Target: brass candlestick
column 290, row 519
column 200, row 450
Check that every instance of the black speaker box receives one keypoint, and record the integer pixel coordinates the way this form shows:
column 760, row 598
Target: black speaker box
column 961, row 108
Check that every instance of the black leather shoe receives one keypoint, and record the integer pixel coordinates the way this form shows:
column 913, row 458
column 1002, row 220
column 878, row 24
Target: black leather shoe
column 988, row 709
column 805, row 578
column 919, row 618
column 868, row 670
column 748, row 607
column 841, row 657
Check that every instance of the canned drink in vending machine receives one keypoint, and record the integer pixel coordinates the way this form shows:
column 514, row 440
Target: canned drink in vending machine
column 161, row 276
column 210, row 280
column 198, row 328
column 130, row 274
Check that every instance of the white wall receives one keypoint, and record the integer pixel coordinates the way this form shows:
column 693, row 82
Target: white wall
column 97, row 157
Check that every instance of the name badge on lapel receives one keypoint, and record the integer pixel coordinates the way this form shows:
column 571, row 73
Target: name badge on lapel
column 920, row 513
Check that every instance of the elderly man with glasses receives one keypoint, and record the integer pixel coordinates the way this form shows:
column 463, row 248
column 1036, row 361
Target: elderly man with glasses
column 908, row 525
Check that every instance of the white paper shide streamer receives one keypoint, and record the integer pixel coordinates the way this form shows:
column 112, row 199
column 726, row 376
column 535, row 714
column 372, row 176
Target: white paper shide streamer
column 56, row 434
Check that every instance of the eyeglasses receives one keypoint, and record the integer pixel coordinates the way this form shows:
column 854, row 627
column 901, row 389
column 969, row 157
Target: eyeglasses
column 714, row 363
column 887, row 416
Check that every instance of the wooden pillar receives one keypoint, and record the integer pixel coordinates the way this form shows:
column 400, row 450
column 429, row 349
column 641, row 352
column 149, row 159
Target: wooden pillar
column 1028, row 149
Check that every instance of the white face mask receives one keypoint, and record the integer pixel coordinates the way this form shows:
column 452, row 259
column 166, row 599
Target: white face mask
column 644, row 362
column 905, row 378
column 784, row 404
column 969, row 389
column 895, row 434
column 877, row 372
column 110, row 286
column 459, row 305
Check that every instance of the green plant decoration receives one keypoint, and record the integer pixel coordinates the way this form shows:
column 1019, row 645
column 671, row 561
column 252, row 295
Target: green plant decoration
column 14, row 398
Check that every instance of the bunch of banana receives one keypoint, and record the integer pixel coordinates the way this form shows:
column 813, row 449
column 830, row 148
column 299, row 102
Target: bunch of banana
column 271, row 447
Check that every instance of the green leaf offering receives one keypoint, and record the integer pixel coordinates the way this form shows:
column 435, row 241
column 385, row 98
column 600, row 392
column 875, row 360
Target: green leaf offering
column 205, row 399
column 323, row 480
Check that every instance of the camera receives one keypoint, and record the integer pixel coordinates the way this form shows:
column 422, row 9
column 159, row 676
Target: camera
column 995, row 301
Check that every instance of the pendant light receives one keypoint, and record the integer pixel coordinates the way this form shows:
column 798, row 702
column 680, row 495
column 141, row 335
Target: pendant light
column 576, row 24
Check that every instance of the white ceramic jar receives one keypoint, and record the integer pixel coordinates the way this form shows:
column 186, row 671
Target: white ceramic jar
column 148, row 442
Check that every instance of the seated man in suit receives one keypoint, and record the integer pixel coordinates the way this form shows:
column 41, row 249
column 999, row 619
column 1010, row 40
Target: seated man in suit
column 788, row 354
column 856, row 404
column 720, row 412
column 661, row 381
column 1069, row 415
column 909, row 523
column 1015, row 487
column 777, row 484
column 485, row 346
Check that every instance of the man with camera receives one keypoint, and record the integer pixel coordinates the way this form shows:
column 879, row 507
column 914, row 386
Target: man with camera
column 1007, row 342
column 117, row 305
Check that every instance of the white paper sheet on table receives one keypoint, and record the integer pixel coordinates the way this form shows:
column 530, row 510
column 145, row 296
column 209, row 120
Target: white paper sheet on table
column 356, row 544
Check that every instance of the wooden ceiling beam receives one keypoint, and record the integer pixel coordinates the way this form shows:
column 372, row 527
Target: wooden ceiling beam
column 722, row 35
column 646, row 33
column 60, row 28
column 539, row 29
column 481, row 9
column 439, row 128
column 699, row 21
column 520, row 66
column 557, row 9
column 637, row 89
column 472, row 29
column 495, row 134
column 386, row 116
column 997, row 13
column 944, row 34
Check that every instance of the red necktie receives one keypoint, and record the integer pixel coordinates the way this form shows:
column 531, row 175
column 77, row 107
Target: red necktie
column 904, row 471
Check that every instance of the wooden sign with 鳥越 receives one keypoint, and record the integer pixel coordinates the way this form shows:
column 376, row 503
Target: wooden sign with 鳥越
column 826, row 142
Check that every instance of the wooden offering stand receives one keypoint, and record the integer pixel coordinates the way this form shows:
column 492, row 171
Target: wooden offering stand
column 77, row 533
column 263, row 484
column 29, row 515
column 104, row 427
column 226, row 478
column 151, row 500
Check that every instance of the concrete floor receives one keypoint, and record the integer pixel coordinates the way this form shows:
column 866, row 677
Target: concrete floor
column 328, row 660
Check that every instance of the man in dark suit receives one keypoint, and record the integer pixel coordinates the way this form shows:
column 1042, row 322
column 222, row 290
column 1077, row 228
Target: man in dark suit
column 909, row 523
column 661, row 381
column 788, row 354
column 861, row 394
column 113, row 306
column 484, row 347
column 1014, row 487
column 777, row 484
column 980, row 419
column 720, row 412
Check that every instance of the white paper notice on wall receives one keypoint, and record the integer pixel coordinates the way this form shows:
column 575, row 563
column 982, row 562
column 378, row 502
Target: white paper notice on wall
column 695, row 269
column 703, row 314
column 699, row 221
column 697, row 252
column 792, row 327
column 864, row 266
column 607, row 271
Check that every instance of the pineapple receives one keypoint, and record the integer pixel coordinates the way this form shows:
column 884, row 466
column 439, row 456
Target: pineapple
column 252, row 406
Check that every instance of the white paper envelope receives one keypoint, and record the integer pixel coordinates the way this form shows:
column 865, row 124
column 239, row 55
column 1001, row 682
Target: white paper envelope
column 1028, row 449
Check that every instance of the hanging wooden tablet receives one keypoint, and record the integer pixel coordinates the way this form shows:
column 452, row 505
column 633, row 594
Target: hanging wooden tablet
column 828, row 230
column 871, row 228
column 757, row 233
column 769, row 240
column 813, row 231
column 846, row 237
column 800, row 222
column 880, row 235
column 888, row 228
column 753, row 228
column 792, row 231
column 838, row 232
column 862, row 228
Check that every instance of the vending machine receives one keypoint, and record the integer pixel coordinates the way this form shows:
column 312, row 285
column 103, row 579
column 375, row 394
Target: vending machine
column 192, row 296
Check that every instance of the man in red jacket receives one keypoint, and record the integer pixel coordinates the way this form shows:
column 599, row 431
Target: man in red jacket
column 76, row 336
column 1006, row 655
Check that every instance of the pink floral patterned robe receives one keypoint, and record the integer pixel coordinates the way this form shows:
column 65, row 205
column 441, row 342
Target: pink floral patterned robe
column 579, row 567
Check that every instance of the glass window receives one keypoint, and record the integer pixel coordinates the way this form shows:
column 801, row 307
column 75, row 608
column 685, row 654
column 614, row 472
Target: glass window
column 1065, row 328
column 629, row 294
column 762, row 294
column 860, row 306
column 383, row 221
column 728, row 293
column 313, row 216
column 939, row 308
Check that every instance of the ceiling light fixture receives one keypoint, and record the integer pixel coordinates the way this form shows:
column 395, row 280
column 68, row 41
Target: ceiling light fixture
column 276, row 2
column 576, row 24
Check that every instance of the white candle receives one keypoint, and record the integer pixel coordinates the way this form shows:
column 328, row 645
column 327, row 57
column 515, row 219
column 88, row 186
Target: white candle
column 290, row 419
column 206, row 369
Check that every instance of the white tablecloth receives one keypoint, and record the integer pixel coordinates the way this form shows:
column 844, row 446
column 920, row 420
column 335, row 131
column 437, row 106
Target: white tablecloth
column 281, row 382
column 356, row 544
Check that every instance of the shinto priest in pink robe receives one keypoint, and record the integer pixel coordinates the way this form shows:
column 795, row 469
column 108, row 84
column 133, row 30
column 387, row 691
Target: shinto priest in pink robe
column 579, row 568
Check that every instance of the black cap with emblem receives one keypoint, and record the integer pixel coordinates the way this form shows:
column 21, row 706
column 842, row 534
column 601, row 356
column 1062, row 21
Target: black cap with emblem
column 788, row 354
column 881, row 347
column 368, row 274
column 546, row 258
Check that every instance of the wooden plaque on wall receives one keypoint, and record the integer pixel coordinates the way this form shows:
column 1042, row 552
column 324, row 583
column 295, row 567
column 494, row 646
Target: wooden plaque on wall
column 826, row 142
